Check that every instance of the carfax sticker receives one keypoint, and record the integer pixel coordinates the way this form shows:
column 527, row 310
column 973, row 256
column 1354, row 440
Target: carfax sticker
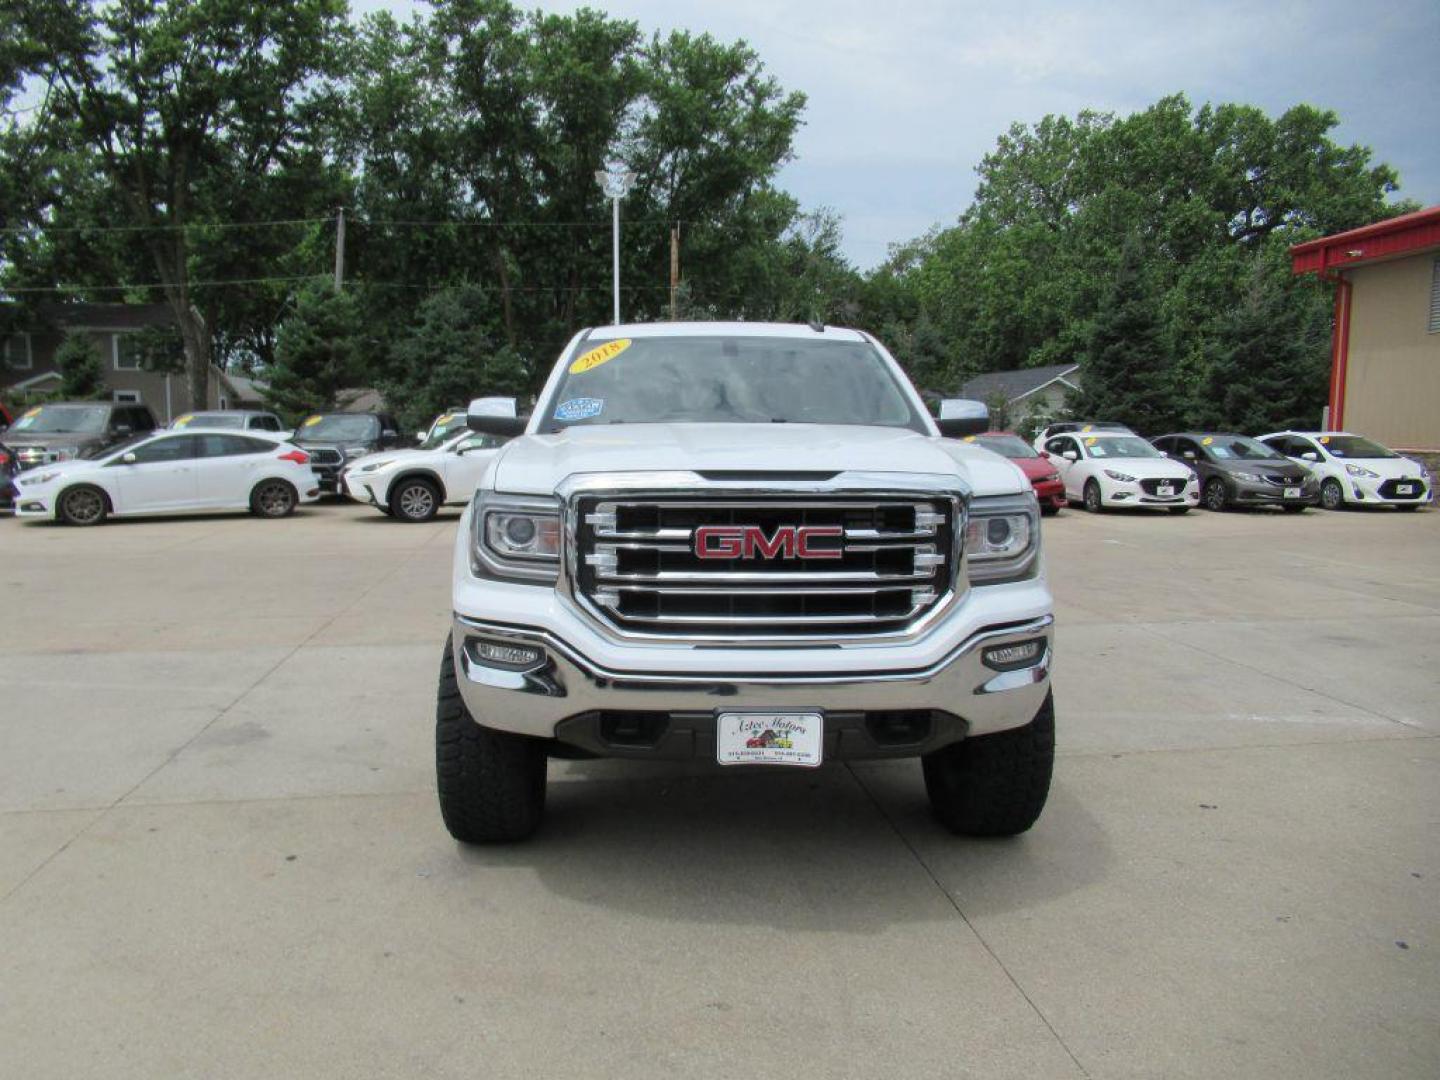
column 580, row 408
column 601, row 354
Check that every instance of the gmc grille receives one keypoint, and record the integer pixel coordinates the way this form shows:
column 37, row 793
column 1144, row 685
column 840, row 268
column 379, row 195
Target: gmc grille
column 878, row 564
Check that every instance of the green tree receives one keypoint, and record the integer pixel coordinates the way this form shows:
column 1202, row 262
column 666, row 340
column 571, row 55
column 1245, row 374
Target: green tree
column 82, row 372
column 320, row 351
column 453, row 352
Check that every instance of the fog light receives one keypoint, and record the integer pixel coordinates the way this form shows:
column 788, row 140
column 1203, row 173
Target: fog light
column 1009, row 657
column 512, row 657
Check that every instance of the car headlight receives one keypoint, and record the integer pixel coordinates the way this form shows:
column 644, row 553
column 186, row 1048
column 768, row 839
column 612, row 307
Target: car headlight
column 1124, row 478
column 1002, row 538
column 1248, row 477
column 355, row 451
column 1357, row 470
column 516, row 538
column 374, row 466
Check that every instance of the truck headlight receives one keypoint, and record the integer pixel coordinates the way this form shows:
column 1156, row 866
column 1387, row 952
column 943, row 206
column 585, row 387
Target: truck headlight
column 1002, row 538
column 516, row 538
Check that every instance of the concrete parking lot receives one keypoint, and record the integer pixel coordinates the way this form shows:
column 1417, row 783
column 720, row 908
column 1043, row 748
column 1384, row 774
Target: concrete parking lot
column 220, row 854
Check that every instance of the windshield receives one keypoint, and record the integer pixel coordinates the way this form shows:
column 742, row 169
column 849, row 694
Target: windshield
column 338, row 426
column 1118, row 446
column 63, row 419
column 729, row 380
column 1237, row 448
column 1353, row 446
column 1011, row 446
column 445, row 428
column 210, row 420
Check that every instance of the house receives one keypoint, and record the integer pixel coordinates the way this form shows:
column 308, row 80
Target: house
column 1385, row 345
column 1039, row 391
column 27, row 357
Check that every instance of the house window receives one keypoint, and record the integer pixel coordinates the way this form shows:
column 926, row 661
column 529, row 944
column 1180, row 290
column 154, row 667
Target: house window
column 1435, row 298
column 127, row 397
column 18, row 356
column 127, row 352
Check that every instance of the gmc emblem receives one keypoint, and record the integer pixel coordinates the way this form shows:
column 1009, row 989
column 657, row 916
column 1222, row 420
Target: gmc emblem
column 748, row 541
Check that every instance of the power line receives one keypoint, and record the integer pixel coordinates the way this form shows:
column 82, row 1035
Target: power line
column 17, row 230
column 154, row 285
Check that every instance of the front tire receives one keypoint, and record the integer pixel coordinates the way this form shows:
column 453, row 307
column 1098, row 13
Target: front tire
column 413, row 499
column 1332, row 495
column 83, row 505
column 1214, row 495
column 994, row 785
column 491, row 783
column 1094, row 503
column 273, row 499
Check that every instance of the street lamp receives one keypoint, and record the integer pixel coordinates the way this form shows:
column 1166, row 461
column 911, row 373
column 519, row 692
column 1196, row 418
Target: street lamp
column 615, row 180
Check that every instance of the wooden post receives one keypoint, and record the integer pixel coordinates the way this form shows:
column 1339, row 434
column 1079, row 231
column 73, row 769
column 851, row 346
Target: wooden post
column 674, row 272
column 340, row 249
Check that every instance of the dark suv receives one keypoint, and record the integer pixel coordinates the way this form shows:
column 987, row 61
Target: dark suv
column 333, row 440
column 61, row 430
column 1236, row 470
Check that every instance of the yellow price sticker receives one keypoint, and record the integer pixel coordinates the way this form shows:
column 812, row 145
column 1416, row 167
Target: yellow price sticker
column 968, row 438
column 1088, row 427
column 311, row 421
column 181, row 421
column 1324, row 438
column 33, row 412
column 1207, row 440
column 1091, row 441
column 601, row 354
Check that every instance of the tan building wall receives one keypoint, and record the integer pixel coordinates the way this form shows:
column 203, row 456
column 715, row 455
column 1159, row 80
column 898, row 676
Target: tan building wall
column 1392, row 383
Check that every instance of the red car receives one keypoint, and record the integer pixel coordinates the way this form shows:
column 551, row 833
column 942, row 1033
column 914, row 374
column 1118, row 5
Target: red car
column 1049, row 488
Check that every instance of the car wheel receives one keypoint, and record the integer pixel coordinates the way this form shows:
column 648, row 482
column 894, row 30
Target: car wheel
column 83, row 505
column 1093, row 502
column 491, row 783
column 414, row 500
column 1214, row 495
column 1179, row 509
column 994, row 785
column 1050, row 510
column 1332, row 495
column 273, row 499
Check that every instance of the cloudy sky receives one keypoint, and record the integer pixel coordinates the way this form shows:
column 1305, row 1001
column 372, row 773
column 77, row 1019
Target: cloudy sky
column 906, row 96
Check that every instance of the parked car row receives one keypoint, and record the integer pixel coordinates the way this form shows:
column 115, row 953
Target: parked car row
column 1101, row 464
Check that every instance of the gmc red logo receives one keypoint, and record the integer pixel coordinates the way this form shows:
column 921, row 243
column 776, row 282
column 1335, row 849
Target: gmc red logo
column 749, row 541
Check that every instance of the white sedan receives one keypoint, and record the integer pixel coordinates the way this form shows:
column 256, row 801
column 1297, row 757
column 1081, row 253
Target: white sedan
column 172, row 471
column 413, row 484
column 1102, row 470
column 1354, row 470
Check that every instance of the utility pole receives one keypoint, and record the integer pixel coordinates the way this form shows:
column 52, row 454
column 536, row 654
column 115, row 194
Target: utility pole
column 339, row 249
column 674, row 272
column 616, row 182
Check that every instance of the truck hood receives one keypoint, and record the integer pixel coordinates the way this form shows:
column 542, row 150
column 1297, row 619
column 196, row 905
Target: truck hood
column 536, row 464
column 17, row 439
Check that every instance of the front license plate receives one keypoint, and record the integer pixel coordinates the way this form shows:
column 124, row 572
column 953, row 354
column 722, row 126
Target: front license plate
column 1404, row 489
column 1292, row 493
column 769, row 738
column 1165, row 489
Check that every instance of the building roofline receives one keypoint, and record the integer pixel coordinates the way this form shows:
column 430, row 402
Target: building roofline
column 1404, row 235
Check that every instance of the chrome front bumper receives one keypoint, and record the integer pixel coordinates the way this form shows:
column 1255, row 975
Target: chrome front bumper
column 564, row 695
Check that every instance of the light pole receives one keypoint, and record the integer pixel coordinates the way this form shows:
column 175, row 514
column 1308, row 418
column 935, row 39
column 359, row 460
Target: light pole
column 616, row 182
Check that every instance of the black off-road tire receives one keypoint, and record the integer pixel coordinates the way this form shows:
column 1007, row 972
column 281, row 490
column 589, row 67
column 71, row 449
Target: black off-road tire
column 994, row 785
column 1332, row 495
column 273, row 499
column 83, row 504
column 1215, row 497
column 1094, row 501
column 491, row 783
column 414, row 499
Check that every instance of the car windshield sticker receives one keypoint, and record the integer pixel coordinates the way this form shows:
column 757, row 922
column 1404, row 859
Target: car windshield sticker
column 580, row 408
column 32, row 413
column 311, row 421
column 1088, row 427
column 1206, row 441
column 181, row 421
column 1090, row 441
column 601, row 354
column 969, row 438
column 1324, row 440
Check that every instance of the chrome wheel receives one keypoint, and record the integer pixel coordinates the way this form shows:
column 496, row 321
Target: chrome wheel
column 273, row 500
column 416, row 502
column 1092, row 498
column 1331, row 496
column 83, row 506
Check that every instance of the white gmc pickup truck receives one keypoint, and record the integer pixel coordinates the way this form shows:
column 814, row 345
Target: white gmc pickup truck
column 747, row 543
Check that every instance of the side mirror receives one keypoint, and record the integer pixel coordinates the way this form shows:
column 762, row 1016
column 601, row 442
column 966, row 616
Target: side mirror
column 959, row 417
column 1310, row 455
column 1071, row 455
column 1189, row 455
column 494, row 416
column 388, row 435
column 128, row 459
column 419, row 436
column 121, row 430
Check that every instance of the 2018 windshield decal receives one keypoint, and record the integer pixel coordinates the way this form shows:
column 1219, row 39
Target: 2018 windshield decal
column 601, row 354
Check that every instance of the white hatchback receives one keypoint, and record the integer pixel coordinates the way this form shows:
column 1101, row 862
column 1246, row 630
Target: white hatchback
column 170, row 472
column 1106, row 469
column 413, row 484
column 1353, row 470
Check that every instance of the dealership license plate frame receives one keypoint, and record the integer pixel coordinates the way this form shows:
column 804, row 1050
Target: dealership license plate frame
column 803, row 729
column 1165, row 491
column 1404, row 489
column 1292, row 493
